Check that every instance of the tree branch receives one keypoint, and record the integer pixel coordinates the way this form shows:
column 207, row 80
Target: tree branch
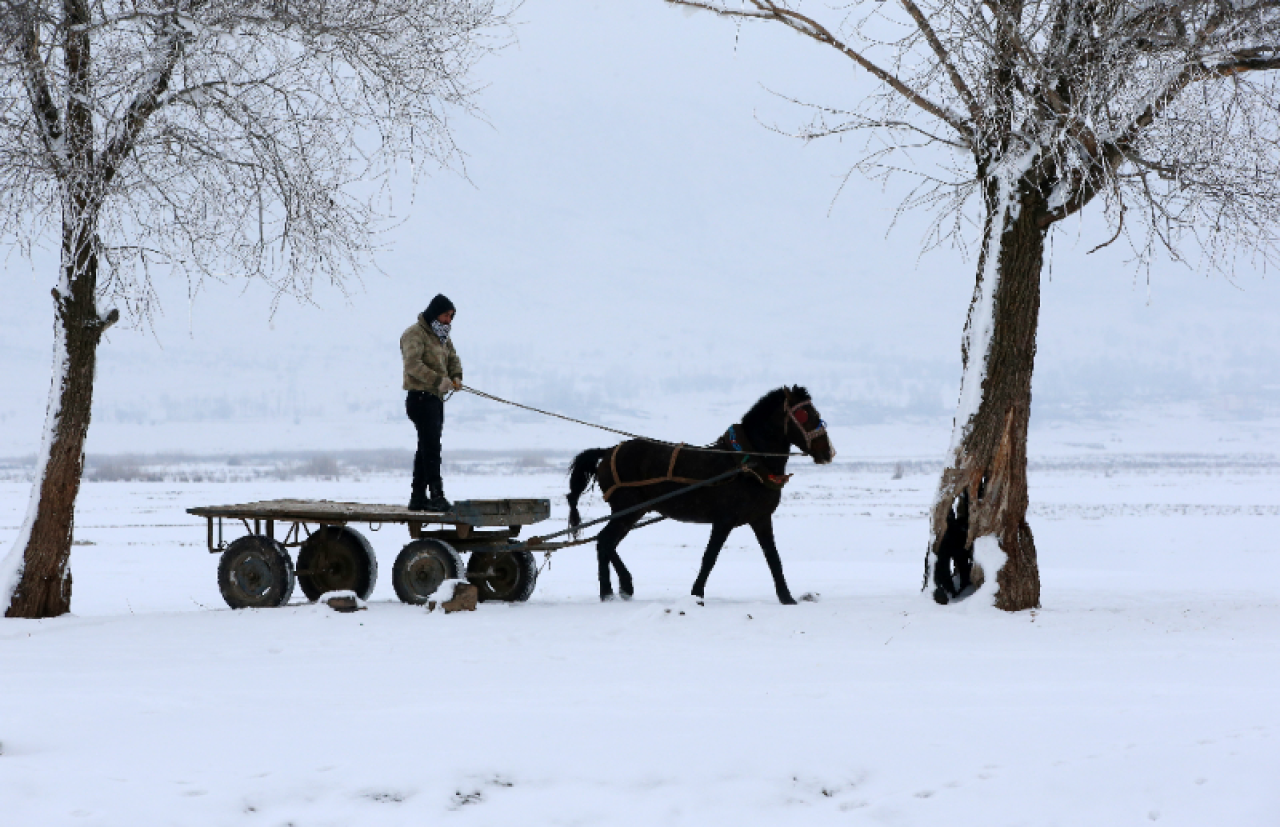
column 768, row 10
column 36, row 80
column 76, row 58
column 944, row 57
column 146, row 102
column 1089, row 181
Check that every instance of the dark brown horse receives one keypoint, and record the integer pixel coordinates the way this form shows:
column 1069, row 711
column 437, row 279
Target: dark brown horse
column 636, row 471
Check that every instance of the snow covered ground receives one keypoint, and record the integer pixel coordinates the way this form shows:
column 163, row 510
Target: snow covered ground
column 1143, row 692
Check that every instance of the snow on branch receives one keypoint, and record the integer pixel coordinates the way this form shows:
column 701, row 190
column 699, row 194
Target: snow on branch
column 1164, row 110
column 779, row 12
column 228, row 138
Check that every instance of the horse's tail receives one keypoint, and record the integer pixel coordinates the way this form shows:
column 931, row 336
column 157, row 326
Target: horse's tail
column 581, row 473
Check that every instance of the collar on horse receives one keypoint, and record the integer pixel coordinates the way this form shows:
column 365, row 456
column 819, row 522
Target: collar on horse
column 737, row 438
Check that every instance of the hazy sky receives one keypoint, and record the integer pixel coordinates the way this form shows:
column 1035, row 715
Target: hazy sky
column 633, row 240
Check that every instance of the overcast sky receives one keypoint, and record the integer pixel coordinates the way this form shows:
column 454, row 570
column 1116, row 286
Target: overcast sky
column 631, row 240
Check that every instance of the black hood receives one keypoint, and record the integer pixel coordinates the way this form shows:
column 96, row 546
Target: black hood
column 440, row 304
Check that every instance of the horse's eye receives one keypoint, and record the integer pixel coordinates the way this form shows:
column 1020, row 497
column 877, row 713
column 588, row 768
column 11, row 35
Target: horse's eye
column 802, row 416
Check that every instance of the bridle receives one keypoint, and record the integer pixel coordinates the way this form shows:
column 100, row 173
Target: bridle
column 798, row 415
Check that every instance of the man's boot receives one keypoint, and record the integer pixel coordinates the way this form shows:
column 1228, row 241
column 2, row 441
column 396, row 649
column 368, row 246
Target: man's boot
column 438, row 501
column 418, row 500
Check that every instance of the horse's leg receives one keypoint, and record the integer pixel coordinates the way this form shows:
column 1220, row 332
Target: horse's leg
column 607, row 552
column 719, row 533
column 625, row 586
column 602, row 572
column 763, row 527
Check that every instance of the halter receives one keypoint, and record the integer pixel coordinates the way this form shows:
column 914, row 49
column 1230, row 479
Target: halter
column 809, row 436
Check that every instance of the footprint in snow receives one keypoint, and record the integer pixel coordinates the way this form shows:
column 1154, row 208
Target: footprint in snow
column 461, row 799
column 385, row 796
column 476, row 795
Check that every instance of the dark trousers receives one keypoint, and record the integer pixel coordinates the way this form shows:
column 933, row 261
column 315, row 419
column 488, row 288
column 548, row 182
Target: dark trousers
column 426, row 410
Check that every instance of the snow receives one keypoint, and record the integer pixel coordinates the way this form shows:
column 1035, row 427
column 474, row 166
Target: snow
column 988, row 554
column 342, row 594
column 1143, row 692
column 444, row 592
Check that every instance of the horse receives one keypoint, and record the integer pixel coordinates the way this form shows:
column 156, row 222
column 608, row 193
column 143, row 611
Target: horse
column 633, row 472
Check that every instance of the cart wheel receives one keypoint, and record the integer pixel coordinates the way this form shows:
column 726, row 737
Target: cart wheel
column 337, row 558
column 255, row 572
column 503, row 575
column 421, row 567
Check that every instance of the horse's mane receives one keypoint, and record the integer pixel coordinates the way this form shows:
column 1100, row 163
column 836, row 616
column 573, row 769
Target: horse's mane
column 757, row 418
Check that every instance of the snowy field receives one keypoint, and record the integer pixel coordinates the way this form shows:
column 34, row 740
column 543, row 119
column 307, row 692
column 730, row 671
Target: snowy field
column 1145, row 691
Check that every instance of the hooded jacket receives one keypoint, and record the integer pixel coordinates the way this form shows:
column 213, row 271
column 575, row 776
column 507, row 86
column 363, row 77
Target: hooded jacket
column 426, row 360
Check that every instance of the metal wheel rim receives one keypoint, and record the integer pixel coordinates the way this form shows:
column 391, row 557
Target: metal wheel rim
column 425, row 571
column 502, row 574
column 334, row 568
column 252, row 575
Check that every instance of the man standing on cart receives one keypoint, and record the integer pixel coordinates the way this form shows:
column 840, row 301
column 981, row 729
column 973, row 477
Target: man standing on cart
column 432, row 370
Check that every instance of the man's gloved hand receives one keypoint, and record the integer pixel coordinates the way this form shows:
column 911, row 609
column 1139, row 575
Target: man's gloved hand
column 446, row 385
column 457, row 384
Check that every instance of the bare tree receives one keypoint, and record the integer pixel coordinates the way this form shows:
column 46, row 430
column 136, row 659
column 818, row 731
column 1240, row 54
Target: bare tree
column 1162, row 112
column 210, row 138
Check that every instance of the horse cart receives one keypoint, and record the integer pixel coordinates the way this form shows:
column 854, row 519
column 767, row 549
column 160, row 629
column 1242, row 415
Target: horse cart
column 256, row 570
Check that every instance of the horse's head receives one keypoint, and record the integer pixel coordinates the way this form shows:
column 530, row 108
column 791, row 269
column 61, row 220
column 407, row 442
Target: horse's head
column 804, row 425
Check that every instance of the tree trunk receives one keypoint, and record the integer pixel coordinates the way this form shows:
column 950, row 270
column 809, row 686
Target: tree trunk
column 987, row 473
column 44, row 543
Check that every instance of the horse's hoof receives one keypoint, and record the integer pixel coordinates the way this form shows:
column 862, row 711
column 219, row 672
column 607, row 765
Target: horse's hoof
column 626, row 595
column 941, row 597
column 787, row 601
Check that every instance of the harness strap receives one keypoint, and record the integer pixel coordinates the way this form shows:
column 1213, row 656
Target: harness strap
column 774, row 481
column 738, row 440
column 670, row 477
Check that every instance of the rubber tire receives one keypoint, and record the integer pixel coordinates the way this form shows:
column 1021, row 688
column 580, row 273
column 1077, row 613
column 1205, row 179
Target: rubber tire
column 255, row 572
column 518, row 575
column 421, row 567
column 353, row 566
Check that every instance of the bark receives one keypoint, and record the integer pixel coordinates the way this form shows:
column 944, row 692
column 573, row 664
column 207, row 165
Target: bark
column 990, row 462
column 44, row 589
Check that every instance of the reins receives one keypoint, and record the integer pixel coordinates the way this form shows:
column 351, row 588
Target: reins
column 682, row 446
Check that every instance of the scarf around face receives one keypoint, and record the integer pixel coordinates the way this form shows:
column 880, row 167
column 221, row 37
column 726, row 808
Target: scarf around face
column 441, row 330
